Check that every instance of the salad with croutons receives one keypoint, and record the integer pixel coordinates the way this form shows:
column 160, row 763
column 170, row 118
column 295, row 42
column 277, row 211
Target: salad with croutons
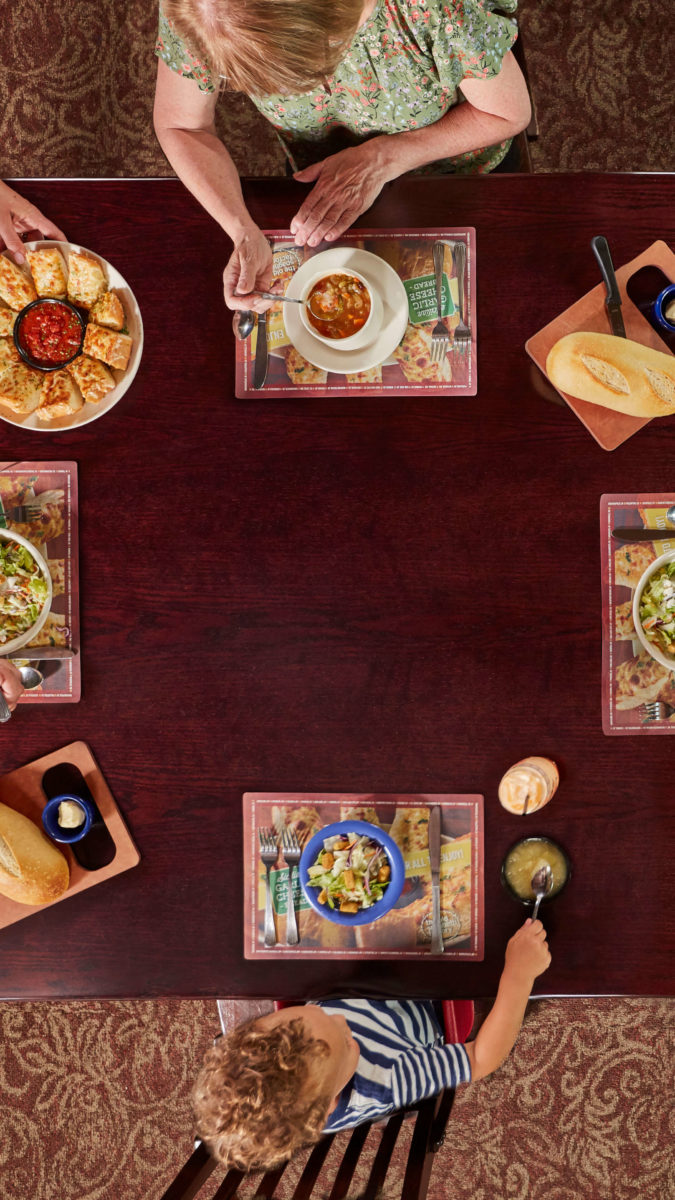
column 657, row 609
column 23, row 590
column 351, row 871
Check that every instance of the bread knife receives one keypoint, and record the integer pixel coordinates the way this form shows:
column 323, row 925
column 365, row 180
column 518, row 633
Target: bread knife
column 260, row 369
column 600, row 249
column 643, row 535
column 437, row 946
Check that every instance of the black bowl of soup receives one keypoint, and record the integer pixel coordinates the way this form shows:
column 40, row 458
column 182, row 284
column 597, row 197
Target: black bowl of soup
column 525, row 858
column 49, row 333
column 338, row 306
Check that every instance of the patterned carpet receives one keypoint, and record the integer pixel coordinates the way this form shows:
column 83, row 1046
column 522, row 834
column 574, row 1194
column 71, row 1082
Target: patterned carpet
column 76, row 85
column 94, row 1105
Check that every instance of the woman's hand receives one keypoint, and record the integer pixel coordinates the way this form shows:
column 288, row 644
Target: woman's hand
column 19, row 216
column 346, row 185
column 10, row 684
column 249, row 269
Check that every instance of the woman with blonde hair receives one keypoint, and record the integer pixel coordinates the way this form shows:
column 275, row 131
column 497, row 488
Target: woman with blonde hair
column 359, row 92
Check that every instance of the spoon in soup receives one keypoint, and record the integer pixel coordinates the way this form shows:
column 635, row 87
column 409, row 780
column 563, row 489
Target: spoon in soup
column 323, row 315
column 541, row 884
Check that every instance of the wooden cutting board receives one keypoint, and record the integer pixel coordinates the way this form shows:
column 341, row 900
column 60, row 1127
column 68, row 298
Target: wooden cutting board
column 609, row 428
column 22, row 790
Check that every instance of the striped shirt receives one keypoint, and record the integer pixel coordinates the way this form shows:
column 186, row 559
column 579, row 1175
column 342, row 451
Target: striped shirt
column 403, row 1059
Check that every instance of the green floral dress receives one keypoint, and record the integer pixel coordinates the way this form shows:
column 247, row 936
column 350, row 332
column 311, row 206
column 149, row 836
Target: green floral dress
column 402, row 71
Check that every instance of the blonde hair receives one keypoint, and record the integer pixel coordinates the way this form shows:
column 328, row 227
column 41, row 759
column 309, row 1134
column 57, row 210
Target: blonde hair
column 259, row 1095
column 263, row 47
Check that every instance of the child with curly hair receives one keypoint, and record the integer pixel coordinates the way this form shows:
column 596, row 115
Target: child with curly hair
column 278, row 1082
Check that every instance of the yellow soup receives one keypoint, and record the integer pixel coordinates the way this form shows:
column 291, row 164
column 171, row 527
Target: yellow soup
column 528, row 857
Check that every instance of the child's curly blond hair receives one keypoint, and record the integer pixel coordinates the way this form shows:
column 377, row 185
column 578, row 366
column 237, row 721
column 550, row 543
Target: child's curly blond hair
column 259, row 1096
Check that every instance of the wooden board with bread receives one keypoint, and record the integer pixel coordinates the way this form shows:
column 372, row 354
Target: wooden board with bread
column 406, row 930
column 34, row 872
column 614, row 385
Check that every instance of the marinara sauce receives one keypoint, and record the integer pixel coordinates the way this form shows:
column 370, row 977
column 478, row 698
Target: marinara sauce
column 50, row 333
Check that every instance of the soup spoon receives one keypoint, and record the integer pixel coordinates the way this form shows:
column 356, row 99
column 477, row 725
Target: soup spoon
column 320, row 316
column 542, row 881
column 30, row 678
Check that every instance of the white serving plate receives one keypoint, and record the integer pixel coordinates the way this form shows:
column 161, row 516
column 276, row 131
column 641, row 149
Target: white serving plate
column 91, row 412
column 381, row 278
column 22, row 640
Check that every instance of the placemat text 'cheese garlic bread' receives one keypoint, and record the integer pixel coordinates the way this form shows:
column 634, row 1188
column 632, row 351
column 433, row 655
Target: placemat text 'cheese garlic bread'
column 614, row 372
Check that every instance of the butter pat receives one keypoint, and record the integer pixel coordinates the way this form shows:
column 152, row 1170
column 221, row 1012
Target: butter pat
column 70, row 814
column 669, row 313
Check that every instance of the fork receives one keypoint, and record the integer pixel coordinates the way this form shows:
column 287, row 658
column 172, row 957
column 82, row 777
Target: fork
column 291, row 850
column 440, row 337
column 269, row 853
column 656, row 710
column 23, row 513
column 462, row 337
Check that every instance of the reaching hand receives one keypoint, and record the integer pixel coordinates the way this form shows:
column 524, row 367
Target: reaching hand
column 249, row 269
column 18, row 216
column 10, row 683
column 346, row 185
column 527, row 952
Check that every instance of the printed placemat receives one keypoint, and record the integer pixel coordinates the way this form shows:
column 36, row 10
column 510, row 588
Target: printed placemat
column 630, row 676
column 405, row 932
column 52, row 487
column 407, row 368
column 609, row 428
column 22, row 790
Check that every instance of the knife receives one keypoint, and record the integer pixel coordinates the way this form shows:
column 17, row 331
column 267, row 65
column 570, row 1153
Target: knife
column 260, row 370
column 41, row 653
column 643, row 535
column 437, row 946
column 613, row 301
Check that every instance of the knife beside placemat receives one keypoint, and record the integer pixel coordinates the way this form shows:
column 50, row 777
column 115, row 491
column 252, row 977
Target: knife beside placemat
column 437, row 946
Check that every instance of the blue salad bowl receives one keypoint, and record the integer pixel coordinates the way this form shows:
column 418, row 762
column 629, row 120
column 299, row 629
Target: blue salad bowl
column 394, row 858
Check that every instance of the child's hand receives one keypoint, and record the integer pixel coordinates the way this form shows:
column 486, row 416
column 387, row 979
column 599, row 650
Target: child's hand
column 527, row 952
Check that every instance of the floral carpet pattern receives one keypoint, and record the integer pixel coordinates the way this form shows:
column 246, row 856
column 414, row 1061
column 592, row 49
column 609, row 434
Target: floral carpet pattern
column 77, row 80
column 94, row 1105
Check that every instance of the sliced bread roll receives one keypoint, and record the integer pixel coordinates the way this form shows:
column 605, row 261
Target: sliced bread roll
column 615, row 373
column 32, row 870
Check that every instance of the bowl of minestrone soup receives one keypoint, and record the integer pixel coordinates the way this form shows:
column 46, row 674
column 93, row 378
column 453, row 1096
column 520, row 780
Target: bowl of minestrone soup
column 341, row 308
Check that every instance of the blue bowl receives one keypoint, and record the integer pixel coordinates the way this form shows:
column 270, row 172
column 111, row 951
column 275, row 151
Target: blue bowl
column 662, row 301
column 394, row 858
column 50, row 815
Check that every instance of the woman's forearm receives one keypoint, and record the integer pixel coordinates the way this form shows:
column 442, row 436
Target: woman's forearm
column 201, row 160
column 462, row 129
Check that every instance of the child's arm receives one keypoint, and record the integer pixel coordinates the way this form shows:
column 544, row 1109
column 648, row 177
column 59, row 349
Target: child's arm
column 527, row 955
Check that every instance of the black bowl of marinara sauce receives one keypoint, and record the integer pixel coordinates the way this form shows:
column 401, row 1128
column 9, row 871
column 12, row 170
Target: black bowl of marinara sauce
column 49, row 333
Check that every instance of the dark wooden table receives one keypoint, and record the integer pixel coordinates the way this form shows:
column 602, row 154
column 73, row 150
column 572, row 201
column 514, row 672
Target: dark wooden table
column 347, row 595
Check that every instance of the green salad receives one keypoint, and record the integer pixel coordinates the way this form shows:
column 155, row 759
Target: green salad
column 351, row 872
column 657, row 609
column 23, row 590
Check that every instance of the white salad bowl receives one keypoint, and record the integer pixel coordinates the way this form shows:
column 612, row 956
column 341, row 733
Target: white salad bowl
column 16, row 643
column 665, row 660
column 368, row 330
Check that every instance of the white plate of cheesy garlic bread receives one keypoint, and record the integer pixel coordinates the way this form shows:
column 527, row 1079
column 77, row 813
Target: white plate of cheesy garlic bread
column 93, row 383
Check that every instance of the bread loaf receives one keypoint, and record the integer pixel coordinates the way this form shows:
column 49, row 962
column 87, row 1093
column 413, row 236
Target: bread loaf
column 32, row 869
column 614, row 372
